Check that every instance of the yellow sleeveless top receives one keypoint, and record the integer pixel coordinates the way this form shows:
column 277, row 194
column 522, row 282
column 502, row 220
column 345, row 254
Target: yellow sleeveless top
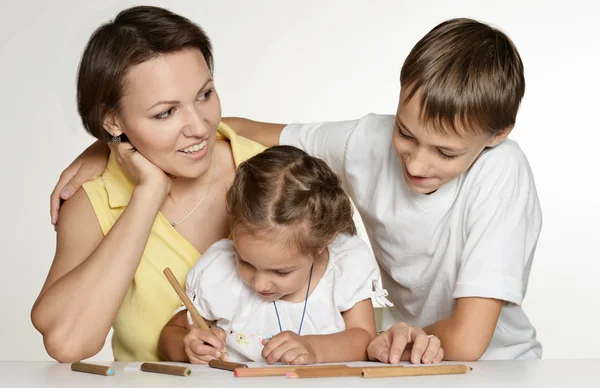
column 150, row 300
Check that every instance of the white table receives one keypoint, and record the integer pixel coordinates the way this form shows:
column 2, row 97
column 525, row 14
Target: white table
column 501, row 374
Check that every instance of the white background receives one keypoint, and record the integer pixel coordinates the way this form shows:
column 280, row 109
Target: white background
column 314, row 60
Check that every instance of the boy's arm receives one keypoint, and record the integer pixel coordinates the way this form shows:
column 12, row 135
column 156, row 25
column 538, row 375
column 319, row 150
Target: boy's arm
column 86, row 167
column 467, row 333
column 265, row 133
column 326, row 140
column 350, row 344
column 503, row 222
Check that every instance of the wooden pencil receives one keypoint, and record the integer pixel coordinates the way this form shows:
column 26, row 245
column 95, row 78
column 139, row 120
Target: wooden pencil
column 196, row 317
column 92, row 368
column 396, row 371
column 166, row 369
column 226, row 365
column 278, row 370
column 335, row 371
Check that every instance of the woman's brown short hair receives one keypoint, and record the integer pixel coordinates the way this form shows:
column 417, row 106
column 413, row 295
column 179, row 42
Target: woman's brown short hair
column 136, row 35
column 285, row 187
column 465, row 72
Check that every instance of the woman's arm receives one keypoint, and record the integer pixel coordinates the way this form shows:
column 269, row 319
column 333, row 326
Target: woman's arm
column 91, row 273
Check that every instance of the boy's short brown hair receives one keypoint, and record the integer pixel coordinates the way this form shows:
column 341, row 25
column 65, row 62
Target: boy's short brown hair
column 467, row 73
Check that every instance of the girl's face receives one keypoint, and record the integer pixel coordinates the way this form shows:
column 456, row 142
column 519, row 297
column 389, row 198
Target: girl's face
column 273, row 267
column 170, row 112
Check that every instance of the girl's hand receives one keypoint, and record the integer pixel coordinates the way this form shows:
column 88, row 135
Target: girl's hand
column 201, row 345
column 289, row 348
column 404, row 342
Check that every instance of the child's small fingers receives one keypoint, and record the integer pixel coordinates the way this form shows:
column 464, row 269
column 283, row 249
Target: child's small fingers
column 209, row 338
column 192, row 357
column 201, row 349
column 279, row 351
column 273, row 343
column 295, row 356
column 219, row 333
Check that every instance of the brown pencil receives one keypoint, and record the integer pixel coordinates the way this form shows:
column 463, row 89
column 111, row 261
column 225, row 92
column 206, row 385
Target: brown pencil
column 91, row 368
column 166, row 369
column 336, row 371
column 226, row 365
column 395, row 371
column 196, row 317
column 278, row 370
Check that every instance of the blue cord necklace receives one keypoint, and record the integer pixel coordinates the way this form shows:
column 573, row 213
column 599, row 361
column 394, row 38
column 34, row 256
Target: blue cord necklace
column 305, row 301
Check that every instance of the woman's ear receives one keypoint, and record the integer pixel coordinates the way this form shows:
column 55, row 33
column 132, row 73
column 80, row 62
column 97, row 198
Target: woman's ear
column 112, row 124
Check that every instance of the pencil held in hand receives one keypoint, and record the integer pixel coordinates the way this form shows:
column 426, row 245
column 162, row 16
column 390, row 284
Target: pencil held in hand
column 196, row 317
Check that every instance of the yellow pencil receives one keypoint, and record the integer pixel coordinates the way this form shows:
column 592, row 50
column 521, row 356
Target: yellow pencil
column 396, row 371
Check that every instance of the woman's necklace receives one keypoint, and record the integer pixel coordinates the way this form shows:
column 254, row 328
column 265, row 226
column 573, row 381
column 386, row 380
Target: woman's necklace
column 305, row 301
column 201, row 199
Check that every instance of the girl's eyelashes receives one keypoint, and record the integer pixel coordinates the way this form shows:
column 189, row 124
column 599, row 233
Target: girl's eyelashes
column 243, row 263
column 279, row 273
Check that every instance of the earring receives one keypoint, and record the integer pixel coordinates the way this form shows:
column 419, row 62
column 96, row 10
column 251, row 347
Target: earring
column 115, row 139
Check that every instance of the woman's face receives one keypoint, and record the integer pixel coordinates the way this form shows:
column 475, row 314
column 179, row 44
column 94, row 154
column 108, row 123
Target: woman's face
column 170, row 111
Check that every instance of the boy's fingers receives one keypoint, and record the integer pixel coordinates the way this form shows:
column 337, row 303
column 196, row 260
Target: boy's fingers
column 432, row 350
column 400, row 338
column 379, row 348
column 420, row 341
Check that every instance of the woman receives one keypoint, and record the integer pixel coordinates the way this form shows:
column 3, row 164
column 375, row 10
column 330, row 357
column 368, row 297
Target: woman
column 146, row 75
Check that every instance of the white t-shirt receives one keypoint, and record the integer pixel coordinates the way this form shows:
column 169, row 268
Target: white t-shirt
column 473, row 237
column 217, row 291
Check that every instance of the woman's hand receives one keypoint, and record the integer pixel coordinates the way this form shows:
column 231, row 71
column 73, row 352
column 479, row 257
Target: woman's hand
column 143, row 172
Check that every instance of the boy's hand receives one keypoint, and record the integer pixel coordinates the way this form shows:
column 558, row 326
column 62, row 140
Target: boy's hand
column 404, row 342
column 289, row 348
column 201, row 346
column 88, row 166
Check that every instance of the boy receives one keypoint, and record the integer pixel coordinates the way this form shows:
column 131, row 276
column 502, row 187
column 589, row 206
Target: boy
column 449, row 204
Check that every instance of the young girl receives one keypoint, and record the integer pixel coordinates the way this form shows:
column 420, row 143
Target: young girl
column 295, row 283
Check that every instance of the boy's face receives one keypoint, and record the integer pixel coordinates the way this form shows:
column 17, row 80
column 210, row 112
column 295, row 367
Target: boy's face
column 430, row 159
